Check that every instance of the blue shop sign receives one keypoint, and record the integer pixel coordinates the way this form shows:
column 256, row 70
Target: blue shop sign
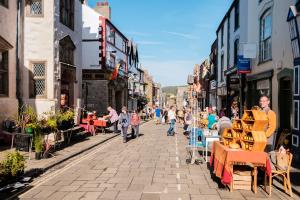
column 243, row 65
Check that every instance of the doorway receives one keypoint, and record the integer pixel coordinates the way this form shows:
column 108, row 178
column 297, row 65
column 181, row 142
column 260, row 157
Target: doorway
column 118, row 100
column 285, row 99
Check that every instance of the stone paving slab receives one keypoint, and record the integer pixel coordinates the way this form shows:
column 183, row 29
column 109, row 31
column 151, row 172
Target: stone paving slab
column 152, row 167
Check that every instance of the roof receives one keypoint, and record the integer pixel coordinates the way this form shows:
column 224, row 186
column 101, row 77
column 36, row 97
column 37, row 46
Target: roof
column 4, row 45
column 110, row 23
column 227, row 14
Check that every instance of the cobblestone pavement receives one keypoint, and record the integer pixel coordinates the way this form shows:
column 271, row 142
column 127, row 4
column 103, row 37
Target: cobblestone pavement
column 152, row 167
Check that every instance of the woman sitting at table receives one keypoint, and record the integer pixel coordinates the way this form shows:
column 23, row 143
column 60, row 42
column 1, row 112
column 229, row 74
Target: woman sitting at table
column 112, row 118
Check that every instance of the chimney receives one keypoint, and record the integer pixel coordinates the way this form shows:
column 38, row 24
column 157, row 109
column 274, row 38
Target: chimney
column 103, row 8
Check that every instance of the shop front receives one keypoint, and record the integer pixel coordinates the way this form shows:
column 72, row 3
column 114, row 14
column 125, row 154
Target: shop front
column 258, row 85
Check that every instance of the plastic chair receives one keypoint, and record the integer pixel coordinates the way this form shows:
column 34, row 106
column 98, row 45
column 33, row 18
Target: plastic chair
column 281, row 168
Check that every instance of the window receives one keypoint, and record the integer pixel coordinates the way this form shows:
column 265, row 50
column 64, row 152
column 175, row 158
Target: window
column 228, row 40
column 67, row 13
column 38, row 80
column 222, row 68
column 112, row 36
column 237, row 15
column 66, row 50
column 296, row 114
column 35, row 8
column 296, row 81
column 265, row 37
column 4, row 73
column 4, row 3
column 294, row 38
column 236, row 51
column 222, row 36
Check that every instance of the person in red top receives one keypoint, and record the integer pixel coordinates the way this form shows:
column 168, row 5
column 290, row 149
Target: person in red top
column 135, row 123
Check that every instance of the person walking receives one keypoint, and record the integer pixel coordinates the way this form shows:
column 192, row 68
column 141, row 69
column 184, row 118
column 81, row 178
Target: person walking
column 112, row 119
column 157, row 115
column 135, row 124
column 124, row 121
column 264, row 103
column 172, row 118
column 188, row 120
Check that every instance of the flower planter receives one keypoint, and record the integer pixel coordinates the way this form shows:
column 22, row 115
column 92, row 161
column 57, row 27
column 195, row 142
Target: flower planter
column 38, row 155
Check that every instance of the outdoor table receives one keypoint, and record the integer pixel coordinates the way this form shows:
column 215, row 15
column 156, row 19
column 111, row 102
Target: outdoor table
column 100, row 123
column 13, row 135
column 224, row 158
column 209, row 139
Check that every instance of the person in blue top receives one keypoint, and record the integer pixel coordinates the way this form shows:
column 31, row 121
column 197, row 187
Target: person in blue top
column 212, row 118
column 158, row 115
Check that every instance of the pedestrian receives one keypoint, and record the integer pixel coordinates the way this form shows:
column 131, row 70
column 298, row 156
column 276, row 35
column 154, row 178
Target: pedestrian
column 224, row 122
column 165, row 115
column 112, row 118
column 124, row 121
column 188, row 120
column 264, row 103
column 172, row 118
column 135, row 124
column 212, row 118
column 157, row 115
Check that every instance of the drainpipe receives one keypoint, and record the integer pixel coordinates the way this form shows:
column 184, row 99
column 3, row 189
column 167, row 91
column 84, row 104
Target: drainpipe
column 18, row 93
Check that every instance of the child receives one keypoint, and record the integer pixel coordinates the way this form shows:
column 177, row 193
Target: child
column 124, row 120
column 135, row 123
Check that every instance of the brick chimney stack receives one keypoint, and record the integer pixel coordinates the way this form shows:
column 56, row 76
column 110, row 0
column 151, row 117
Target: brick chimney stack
column 103, row 8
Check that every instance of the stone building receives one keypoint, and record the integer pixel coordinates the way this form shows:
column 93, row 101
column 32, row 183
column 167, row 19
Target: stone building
column 181, row 97
column 9, row 58
column 51, row 76
column 148, row 88
column 104, row 52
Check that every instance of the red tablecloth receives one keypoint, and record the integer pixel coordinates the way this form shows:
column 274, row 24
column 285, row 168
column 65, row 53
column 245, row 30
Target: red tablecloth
column 223, row 158
column 100, row 123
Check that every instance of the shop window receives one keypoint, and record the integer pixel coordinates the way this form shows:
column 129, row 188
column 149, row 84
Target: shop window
column 296, row 81
column 4, row 73
column 295, row 140
column 67, row 13
column 265, row 37
column 237, row 15
column 296, row 114
column 4, row 3
column 236, row 50
column 222, row 68
column 38, row 79
column 35, row 8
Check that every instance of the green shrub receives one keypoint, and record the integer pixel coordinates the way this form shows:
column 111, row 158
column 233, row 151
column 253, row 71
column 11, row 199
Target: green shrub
column 13, row 164
column 38, row 143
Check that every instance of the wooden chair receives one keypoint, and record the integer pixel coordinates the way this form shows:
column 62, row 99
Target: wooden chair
column 281, row 169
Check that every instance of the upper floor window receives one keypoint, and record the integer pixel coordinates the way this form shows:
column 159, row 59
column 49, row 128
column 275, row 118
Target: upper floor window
column 222, row 36
column 4, row 3
column 237, row 16
column 294, row 37
column 3, row 73
column 35, row 8
column 228, row 40
column 222, row 68
column 66, row 50
column 236, row 51
column 112, row 36
column 67, row 13
column 265, row 37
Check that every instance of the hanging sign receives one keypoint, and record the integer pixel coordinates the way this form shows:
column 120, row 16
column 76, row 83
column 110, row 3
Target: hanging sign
column 243, row 65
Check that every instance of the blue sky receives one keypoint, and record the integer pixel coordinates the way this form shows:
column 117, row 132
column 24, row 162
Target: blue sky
column 172, row 35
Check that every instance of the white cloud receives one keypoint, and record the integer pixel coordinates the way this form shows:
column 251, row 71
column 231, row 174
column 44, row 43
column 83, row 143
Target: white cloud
column 148, row 42
column 183, row 35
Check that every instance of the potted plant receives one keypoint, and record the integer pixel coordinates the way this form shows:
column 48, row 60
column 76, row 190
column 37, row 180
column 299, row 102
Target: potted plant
column 38, row 146
column 30, row 128
column 13, row 164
